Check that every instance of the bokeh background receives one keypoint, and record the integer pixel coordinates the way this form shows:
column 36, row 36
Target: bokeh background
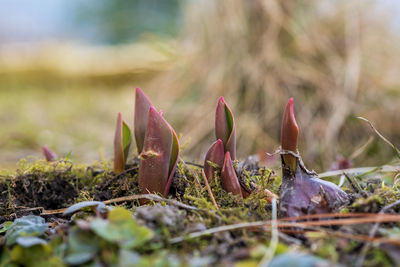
column 68, row 67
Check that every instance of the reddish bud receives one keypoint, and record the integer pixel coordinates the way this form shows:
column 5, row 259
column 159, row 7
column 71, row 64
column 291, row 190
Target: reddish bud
column 214, row 154
column 142, row 106
column 289, row 135
column 229, row 180
column 48, row 154
column 159, row 156
column 225, row 127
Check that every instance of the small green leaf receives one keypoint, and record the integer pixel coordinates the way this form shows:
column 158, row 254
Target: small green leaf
column 229, row 118
column 122, row 229
column 126, row 139
column 68, row 156
column 5, row 226
column 82, row 246
column 40, row 255
column 25, row 226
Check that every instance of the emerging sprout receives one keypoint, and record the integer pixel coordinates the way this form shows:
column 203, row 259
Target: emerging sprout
column 223, row 151
column 301, row 191
column 48, row 154
column 225, row 127
column 289, row 135
column 159, row 155
column 229, row 180
column 142, row 106
column 122, row 142
column 215, row 154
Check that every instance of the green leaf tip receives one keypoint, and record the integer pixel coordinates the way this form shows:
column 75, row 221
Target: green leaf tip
column 225, row 128
column 122, row 142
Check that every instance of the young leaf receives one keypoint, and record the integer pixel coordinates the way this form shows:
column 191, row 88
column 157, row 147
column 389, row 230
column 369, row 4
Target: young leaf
column 121, row 228
column 159, row 155
column 214, row 154
column 48, row 154
column 119, row 158
column 27, row 225
column 289, row 135
column 229, row 180
column 173, row 160
column 225, row 127
column 126, row 139
column 142, row 106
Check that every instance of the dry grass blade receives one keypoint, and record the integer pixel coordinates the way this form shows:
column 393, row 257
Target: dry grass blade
column 384, row 168
column 306, row 227
column 328, row 215
column 209, row 190
column 372, row 233
column 131, row 198
column 377, row 219
column 381, row 136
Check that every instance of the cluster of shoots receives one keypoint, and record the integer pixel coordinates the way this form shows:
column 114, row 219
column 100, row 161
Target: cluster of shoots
column 222, row 152
column 301, row 191
column 157, row 145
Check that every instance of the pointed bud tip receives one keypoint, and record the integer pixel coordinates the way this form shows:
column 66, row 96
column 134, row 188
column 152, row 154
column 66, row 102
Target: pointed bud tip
column 219, row 141
column 152, row 109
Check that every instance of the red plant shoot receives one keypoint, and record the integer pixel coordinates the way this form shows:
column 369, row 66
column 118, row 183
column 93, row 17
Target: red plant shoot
column 289, row 135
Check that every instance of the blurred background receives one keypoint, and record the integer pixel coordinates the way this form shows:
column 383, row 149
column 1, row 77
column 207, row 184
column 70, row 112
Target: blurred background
column 68, row 67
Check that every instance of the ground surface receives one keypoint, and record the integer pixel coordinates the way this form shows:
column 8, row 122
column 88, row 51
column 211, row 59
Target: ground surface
column 186, row 229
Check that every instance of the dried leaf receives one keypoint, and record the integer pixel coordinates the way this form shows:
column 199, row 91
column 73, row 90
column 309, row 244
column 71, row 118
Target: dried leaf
column 303, row 193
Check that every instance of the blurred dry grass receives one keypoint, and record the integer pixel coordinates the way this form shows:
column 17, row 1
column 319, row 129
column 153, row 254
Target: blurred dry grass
column 67, row 96
column 338, row 59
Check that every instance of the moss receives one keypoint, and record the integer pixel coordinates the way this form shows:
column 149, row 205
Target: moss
column 35, row 181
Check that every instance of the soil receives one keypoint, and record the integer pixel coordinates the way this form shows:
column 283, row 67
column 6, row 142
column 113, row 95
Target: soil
column 45, row 187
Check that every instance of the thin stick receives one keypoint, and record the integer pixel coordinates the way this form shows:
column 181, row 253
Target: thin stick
column 384, row 168
column 135, row 197
column 265, row 225
column 209, row 190
column 381, row 136
column 366, row 247
column 194, row 164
